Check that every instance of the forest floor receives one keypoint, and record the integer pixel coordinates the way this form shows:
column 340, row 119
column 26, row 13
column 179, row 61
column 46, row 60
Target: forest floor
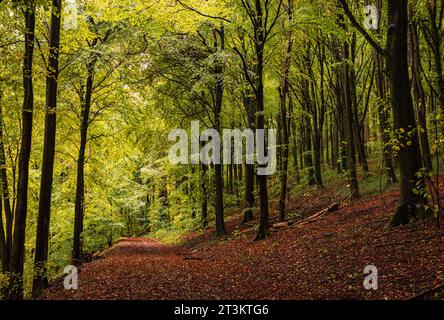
column 319, row 259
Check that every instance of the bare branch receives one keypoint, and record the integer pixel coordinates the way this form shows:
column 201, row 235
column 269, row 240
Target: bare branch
column 356, row 24
column 201, row 13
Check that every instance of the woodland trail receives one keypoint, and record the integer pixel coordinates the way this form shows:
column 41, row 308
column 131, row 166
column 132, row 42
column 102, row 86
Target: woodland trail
column 320, row 260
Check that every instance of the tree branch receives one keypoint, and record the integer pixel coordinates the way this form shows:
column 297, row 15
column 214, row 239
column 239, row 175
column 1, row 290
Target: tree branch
column 357, row 26
column 201, row 13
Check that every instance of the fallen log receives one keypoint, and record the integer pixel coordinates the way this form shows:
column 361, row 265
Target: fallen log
column 280, row 225
column 331, row 208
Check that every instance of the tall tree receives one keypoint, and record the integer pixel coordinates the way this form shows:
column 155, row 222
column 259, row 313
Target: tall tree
column 413, row 198
column 349, row 123
column 79, row 204
column 219, row 47
column 384, row 124
column 21, row 210
column 41, row 246
column 419, row 94
column 260, row 15
column 347, row 88
column 284, row 97
column 5, row 231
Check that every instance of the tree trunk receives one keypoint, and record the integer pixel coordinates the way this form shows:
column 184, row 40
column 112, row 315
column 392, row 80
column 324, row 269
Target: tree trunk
column 384, row 125
column 249, row 193
column 79, row 205
column 18, row 245
column 353, row 180
column 3, row 251
column 294, row 144
column 204, row 201
column 230, row 179
column 40, row 281
column 413, row 199
column 419, row 95
column 6, row 231
column 283, row 94
column 249, row 168
column 219, row 91
column 359, row 139
column 260, row 121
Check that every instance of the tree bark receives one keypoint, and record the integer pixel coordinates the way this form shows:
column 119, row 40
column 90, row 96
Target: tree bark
column 353, row 180
column 384, row 124
column 249, row 168
column 79, row 205
column 260, row 39
column 413, row 199
column 283, row 94
column 204, row 200
column 18, row 244
column 6, row 230
column 419, row 95
column 219, row 91
column 294, row 142
column 40, row 281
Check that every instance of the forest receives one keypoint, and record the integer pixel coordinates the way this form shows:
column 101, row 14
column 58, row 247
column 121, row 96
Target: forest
column 221, row 149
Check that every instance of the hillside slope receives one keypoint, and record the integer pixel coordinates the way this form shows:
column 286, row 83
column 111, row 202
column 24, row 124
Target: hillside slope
column 323, row 259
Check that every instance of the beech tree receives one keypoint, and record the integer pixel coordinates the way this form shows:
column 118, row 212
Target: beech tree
column 41, row 246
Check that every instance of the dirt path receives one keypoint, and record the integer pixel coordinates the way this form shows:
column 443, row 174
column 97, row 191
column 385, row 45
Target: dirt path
column 321, row 260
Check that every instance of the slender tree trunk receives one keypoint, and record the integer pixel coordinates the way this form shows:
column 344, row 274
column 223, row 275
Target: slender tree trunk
column 219, row 91
column 249, row 193
column 6, row 231
column 3, row 251
column 317, row 160
column 79, row 205
column 283, row 94
column 260, row 121
column 327, row 145
column 249, row 168
column 41, row 246
column 230, row 179
column 308, row 156
column 308, row 107
column 204, row 201
column 294, row 144
column 353, row 180
column 18, row 244
column 235, row 180
column 359, row 141
column 419, row 95
column 384, row 125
